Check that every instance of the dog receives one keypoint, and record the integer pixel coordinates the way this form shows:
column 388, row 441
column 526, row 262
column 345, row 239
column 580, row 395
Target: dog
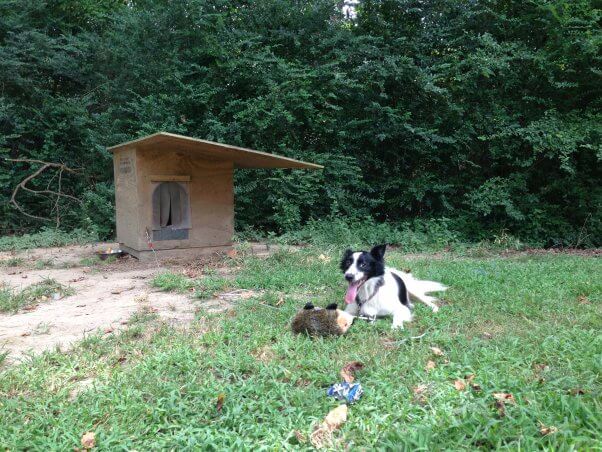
column 377, row 291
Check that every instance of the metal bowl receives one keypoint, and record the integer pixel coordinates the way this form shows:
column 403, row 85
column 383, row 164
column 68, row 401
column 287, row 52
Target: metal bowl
column 104, row 255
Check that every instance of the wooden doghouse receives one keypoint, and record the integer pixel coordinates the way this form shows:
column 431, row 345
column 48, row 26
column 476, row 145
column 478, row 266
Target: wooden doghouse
column 177, row 192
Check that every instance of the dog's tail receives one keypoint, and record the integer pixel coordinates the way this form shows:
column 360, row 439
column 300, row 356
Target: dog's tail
column 418, row 289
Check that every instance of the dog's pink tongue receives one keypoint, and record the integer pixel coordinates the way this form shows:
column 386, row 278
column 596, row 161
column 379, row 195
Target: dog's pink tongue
column 351, row 292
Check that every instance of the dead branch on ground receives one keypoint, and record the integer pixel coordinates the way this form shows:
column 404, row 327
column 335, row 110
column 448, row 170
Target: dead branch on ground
column 60, row 168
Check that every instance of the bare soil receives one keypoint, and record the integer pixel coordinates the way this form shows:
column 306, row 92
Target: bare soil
column 105, row 295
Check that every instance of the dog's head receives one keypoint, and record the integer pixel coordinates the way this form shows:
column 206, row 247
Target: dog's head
column 359, row 266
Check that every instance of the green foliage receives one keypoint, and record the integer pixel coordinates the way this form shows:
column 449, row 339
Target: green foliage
column 416, row 235
column 486, row 113
column 175, row 282
column 47, row 237
column 99, row 210
column 12, row 301
column 507, row 321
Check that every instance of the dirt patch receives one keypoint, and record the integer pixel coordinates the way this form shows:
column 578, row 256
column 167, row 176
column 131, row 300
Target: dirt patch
column 105, row 296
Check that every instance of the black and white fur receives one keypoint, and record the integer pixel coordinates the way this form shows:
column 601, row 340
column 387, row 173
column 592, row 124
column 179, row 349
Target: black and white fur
column 383, row 291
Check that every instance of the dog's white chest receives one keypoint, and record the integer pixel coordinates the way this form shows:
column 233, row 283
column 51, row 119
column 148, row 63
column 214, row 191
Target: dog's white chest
column 378, row 298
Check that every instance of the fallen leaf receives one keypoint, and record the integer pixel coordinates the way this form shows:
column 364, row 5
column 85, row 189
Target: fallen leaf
column 109, row 330
column 349, row 369
column 24, row 276
column 88, row 440
column 577, row 391
column 459, row 385
column 25, row 334
column 469, row 379
column 220, row 402
column 324, row 258
column 547, row 430
column 420, row 389
column 583, row 299
column 336, row 417
column 437, row 351
column 320, row 437
column 504, row 397
column 122, row 289
column 333, row 420
column 486, row 335
column 430, row 365
column 189, row 272
column 81, row 278
column 300, row 437
column 501, row 408
column 232, row 253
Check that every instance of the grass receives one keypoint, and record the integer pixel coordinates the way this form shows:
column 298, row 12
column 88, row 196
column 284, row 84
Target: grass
column 47, row 237
column 203, row 288
column 524, row 325
column 13, row 301
column 12, row 262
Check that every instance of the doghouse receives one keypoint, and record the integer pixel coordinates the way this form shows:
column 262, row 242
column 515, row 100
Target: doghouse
column 176, row 193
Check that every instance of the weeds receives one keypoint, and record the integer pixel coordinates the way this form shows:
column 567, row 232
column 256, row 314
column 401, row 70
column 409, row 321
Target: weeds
column 203, row 288
column 12, row 262
column 12, row 301
column 43, row 263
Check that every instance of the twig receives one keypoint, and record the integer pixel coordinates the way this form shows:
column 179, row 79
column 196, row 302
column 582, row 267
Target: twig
column 582, row 230
column 408, row 339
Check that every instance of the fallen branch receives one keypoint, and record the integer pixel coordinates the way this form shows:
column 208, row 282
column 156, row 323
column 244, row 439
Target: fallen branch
column 59, row 194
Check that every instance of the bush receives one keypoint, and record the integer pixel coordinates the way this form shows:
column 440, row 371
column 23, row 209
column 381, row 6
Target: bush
column 412, row 236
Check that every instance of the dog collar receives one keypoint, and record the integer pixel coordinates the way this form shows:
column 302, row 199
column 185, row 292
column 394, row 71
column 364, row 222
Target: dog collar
column 378, row 285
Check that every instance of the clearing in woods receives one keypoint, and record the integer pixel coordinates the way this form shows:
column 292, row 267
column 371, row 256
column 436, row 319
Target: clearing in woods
column 511, row 360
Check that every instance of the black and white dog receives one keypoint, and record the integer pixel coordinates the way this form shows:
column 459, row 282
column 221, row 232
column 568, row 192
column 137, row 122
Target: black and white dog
column 376, row 291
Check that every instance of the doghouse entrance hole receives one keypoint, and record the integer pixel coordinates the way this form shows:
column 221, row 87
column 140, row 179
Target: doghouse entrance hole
column 171, row 211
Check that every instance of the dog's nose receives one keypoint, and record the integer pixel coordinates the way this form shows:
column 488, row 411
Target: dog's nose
column 349, row 277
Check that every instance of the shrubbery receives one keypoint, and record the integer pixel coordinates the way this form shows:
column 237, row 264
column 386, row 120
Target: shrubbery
column 482, row 113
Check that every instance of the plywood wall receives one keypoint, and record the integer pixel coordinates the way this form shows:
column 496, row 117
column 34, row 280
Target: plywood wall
column 211, row 198
column 126, row 196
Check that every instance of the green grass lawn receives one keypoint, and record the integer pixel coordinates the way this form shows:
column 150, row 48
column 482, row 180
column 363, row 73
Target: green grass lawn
column 524, row 325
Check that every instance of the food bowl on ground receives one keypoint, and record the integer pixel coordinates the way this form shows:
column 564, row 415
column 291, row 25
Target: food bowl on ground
column 105, row 254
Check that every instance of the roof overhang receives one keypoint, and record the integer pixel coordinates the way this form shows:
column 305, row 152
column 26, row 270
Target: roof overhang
column 241, row 157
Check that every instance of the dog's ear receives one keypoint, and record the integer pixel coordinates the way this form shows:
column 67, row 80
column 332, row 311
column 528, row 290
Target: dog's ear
column 346, row 255
column 309, row 306
column 332, row 307
column 378, row 252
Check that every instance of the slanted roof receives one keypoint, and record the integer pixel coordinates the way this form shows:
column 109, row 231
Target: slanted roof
column 242, row 158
